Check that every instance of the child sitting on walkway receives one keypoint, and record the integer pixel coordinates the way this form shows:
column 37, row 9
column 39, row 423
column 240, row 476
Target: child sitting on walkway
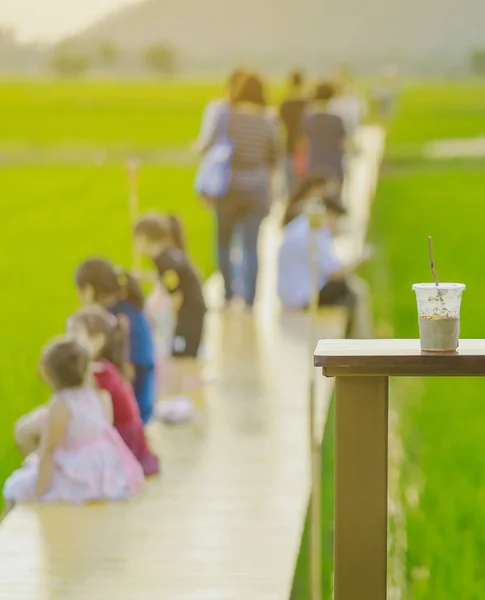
column 161, row 239
column 106, row 339
column 81, row 456
column 99, row 282
column 294, row 275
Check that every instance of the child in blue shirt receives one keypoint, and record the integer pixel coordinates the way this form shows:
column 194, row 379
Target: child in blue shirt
column 99, row 282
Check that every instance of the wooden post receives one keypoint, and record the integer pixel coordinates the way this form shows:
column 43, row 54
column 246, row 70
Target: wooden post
column 316, row 214
column 361, row 487
column 133, row 204
column 362, row 369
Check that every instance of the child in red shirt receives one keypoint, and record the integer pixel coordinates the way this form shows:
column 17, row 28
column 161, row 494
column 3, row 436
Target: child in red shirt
column 106, row 337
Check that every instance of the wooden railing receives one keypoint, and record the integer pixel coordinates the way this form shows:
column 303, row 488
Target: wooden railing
column 362, row 369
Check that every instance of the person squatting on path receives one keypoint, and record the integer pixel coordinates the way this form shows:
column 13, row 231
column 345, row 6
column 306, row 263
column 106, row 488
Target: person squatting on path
column 161, row 239
column 99, row 282
column 336, row 283
column 81, row 456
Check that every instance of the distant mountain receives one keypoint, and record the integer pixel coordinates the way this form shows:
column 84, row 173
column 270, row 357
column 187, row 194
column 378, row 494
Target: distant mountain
column 276, row 33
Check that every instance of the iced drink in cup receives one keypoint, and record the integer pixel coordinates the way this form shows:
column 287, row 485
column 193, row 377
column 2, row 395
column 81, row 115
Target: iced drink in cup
column 439, row 315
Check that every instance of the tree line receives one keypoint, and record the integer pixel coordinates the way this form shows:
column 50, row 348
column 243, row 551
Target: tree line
column 70, row 60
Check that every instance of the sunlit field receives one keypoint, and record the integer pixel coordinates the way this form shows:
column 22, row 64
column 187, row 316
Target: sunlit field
column 64, row 196
column 55, row 214
column 434, row 111
column 97, row 114
column 442, row 421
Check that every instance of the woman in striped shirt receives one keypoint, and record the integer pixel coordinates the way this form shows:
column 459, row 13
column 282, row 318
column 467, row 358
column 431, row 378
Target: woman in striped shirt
column 253, row 133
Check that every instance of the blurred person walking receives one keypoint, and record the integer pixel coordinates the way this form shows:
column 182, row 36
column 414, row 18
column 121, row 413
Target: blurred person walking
column 210, row 118
column 250, row 128
column 214, row 108
column 385, row 94
column 348, row 104
column 291, row 111
column 323, row 135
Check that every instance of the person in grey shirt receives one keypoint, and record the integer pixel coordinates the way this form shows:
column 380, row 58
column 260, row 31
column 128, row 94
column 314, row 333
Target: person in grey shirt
column 325, row 136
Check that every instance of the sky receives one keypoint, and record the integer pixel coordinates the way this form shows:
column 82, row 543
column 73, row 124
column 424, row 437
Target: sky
column 49, row 20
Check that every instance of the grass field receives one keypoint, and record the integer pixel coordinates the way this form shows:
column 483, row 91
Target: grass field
column 435, row 111
column 126, row 114
column 442, row 421
column 55, row 216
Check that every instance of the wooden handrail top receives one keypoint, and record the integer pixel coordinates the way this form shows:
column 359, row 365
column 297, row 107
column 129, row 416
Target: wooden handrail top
column 398, row 357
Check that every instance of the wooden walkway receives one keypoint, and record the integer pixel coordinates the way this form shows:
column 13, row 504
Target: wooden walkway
column 225, row 520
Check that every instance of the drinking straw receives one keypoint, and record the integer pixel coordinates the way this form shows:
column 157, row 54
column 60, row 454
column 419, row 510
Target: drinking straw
column 133, row 200
column 431, row 264
column 430, row 244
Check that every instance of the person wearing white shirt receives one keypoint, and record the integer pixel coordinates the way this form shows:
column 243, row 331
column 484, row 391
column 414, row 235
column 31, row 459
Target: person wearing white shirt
column 295, row 289
column 294, row 271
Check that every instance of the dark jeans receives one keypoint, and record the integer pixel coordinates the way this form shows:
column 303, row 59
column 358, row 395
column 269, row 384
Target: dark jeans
column 247, row 219
column 188, row 335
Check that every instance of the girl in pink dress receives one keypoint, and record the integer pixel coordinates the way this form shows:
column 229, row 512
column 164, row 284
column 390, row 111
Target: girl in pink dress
column 106, row 338
column 81, row 456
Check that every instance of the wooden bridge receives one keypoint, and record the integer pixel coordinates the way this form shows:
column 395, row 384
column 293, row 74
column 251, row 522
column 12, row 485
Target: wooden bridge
column 225, row 520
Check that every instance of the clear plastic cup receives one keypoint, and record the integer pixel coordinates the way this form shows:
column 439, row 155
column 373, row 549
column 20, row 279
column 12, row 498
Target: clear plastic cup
column 439, row 315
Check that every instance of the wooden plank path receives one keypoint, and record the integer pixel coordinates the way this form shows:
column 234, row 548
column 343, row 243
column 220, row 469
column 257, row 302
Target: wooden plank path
column 225, row 520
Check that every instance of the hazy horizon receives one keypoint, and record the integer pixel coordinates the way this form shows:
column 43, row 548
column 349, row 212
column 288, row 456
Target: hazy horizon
column 50, row 20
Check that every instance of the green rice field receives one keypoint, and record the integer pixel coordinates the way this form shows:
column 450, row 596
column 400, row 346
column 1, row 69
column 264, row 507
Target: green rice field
column 134, row 115
column 54, row 215
column 441, row 422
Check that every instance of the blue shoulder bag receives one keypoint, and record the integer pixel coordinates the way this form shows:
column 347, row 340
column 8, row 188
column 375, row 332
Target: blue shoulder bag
column 214, row 174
